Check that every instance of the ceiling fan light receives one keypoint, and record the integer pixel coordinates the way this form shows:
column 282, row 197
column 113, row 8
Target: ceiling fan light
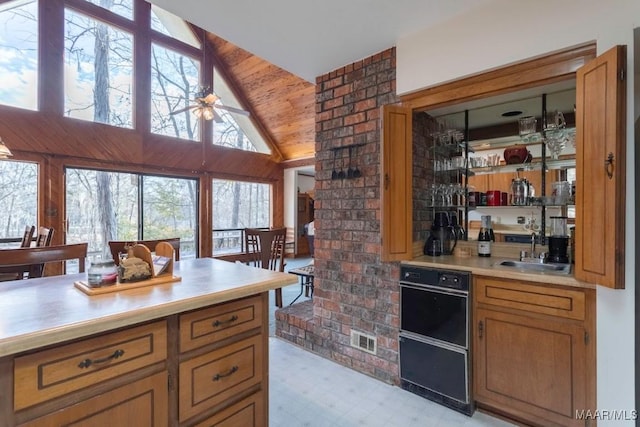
column 5, row 153
column 197, row 112
column 208, row 113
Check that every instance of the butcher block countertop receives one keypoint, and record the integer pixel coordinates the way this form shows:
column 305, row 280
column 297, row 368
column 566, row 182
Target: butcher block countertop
column 39, row 312
column 485, row 267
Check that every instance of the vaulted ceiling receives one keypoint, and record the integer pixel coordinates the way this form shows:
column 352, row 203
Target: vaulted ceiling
column 273, row 50
column 282, row 103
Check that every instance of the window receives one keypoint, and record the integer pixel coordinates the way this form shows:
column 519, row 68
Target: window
column 123, row 8
column 174, row 80
column 234, row 130
column 103, row 206
column 18, row 199
column 173, row 26
column 237, row 205
column 98, row 71
column 19, row 54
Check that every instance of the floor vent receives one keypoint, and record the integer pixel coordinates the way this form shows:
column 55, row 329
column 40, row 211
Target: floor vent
column 363, row 342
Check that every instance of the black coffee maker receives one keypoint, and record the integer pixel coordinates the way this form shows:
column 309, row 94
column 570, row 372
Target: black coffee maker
column 442, row 238
column 558, row 241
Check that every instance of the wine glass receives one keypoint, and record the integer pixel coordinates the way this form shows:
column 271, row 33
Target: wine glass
column 556, row 141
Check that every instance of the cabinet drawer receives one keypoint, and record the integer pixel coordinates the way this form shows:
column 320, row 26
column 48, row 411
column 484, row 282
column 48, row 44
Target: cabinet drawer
column 248, row 412
column 202, row 327
column 141, row 403
column 527, row 296
column 212, row 378
column 57, row 371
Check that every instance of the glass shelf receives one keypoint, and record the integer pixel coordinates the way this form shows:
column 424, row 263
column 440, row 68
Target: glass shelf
column 532, row 166
column 561, row 164
column 520, row 206
column 507, row 168
column 445, row 207
column 504, row 142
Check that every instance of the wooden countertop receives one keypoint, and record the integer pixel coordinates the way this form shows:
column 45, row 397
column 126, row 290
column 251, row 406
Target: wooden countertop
column 485, row 267
column 39, row 312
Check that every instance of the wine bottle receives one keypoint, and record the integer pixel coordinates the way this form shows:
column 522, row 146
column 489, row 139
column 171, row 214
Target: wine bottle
column 484, row 237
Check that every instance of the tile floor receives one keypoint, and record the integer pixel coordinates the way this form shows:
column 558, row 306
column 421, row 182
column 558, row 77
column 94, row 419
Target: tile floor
column 308, row 390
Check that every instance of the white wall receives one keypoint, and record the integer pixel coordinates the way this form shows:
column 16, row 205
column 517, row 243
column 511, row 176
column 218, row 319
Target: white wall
column 508, row 31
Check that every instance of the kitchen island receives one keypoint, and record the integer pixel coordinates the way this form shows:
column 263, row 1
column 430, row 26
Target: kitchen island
column 188, row 352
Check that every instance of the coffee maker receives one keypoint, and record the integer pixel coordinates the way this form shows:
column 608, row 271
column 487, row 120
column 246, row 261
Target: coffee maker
column 558, row 241
column 442, row 237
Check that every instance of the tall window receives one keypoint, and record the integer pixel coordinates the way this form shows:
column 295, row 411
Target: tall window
column 98, row 71
column 18, row 198
column 19, row 54
column 174, row 80
column 237, row 205
column 103, row 206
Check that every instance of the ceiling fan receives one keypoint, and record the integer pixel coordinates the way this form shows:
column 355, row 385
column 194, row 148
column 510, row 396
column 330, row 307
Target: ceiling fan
column 205, row 104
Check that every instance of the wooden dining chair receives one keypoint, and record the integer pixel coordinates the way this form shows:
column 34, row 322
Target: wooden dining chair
column 20, row 261
column 43, row 239
column 27, row 237
column 120, row 246
column 265, row 249
column 44, row 236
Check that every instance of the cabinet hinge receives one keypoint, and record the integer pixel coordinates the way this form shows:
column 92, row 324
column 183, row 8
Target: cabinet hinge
column 170, row 382
column 622, row 74
column 586, row 338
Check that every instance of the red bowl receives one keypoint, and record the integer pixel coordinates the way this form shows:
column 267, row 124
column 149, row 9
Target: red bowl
column 517, row 154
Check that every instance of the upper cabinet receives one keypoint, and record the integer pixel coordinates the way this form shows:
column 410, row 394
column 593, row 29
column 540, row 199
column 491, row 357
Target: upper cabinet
column 396, row 192
column 600, row 171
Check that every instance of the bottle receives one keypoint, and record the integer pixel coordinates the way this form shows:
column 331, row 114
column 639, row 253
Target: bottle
column 484, row 237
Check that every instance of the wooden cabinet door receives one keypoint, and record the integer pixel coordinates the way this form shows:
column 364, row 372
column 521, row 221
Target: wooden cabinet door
column 141, row 403
column 396, row 192
column 600, row 169
column 532, row 368
column 305, row 216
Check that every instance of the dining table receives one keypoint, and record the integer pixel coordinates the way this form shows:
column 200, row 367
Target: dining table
column 306, row 274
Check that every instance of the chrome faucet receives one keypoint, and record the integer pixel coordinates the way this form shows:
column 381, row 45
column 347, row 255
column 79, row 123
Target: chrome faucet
column 533, row 256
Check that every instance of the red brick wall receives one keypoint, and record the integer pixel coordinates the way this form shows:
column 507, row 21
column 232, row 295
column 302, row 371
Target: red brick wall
column 353, row 288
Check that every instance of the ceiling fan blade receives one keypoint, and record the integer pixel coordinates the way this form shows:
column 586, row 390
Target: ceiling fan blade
column 181, row 110
column 232, row 110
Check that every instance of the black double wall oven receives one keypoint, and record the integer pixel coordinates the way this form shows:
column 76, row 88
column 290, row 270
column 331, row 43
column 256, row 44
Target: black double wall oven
column 434, row 335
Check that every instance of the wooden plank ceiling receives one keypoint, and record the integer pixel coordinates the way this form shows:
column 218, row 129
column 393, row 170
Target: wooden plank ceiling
column 281, row 101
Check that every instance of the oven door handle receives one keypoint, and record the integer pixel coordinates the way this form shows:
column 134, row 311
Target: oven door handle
column 439, row 289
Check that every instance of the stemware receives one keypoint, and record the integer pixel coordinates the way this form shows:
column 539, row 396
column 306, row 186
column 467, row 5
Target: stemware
column 556, row 141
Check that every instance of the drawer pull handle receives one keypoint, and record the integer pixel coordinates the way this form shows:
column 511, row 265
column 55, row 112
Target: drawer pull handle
column 218, row 377
column 224, row 322
column 88, row 362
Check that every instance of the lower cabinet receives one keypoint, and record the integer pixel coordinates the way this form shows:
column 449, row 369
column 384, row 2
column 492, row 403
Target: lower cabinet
column 534, row 351
column 141, row 403
column 247, row 412
column 203, row 367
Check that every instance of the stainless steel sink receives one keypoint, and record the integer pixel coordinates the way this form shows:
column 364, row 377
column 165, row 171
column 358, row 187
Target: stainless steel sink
column 536, row 266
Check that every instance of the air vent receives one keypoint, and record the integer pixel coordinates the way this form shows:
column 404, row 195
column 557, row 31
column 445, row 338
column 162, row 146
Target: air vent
column 363, row 342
